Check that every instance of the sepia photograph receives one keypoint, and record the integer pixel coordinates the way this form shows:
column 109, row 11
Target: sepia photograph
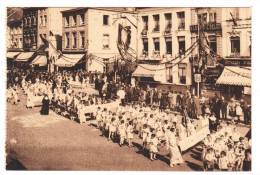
column 128, row 88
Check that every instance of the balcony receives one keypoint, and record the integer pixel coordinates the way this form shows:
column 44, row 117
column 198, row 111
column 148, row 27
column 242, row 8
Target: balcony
column 234, row 55
column 208, row 27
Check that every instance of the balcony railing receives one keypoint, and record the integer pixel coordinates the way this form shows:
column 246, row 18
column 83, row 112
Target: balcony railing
column 208, row 27
column 235, row 55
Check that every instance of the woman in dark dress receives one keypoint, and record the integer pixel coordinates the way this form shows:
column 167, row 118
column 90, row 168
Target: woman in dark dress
column 45, row 105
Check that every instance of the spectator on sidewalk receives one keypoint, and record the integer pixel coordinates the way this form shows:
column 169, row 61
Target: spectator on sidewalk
column 224, row 108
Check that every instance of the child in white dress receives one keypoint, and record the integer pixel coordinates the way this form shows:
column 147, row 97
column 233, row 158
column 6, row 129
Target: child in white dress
column 153, row 147
column 129, row 132
column 122, row 132
column 112, row 128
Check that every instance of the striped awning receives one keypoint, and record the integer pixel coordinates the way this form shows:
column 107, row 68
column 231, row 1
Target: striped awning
column 12, row 55
column 236, row 76
column 24, row 56
column 40, row 60
column 69, row 60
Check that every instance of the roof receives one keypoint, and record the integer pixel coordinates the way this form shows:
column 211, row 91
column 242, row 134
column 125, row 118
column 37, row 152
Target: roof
column 115, row 9
column 74, row 9
column 236, row 76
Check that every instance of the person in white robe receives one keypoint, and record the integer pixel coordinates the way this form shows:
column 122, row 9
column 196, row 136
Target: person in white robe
column 175, row 154
column 81, row 114
column 30, row 98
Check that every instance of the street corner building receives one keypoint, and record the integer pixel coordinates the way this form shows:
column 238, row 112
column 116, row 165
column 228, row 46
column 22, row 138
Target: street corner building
column 161, row 88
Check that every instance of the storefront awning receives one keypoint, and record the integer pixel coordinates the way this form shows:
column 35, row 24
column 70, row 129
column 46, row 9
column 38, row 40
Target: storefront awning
column 12, row 55
column 40, row 60
column 69, row 60
column 154, row 71
column 24, row 56
column 236, row 76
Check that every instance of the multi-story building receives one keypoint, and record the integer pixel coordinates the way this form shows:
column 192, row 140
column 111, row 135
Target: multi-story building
column 163, row 37
column 30, row 28
column 236, row 76
column 14, row 40
column 226, row 37
column 91, row 34
column 50, row 30
column 29, row 35
column 14, row 35
column 40, row 23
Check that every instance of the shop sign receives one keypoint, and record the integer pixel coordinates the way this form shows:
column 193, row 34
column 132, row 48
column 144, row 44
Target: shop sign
column 197, row 78
column 238, row 62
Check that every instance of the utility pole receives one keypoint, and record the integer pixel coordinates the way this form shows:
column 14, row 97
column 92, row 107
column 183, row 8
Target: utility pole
column 199, row 55
column 197, row 75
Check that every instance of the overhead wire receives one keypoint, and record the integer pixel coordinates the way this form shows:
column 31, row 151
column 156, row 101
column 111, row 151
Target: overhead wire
column 172, row 65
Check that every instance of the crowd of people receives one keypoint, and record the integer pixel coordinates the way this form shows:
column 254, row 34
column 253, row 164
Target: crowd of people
column 225, row 149
column 153, row 127
column 157, row 117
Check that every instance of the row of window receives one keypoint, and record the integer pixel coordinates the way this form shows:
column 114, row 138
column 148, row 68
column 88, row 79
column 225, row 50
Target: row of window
column 207, row 17
column 43, row 20
column 74, row 20
column 234, row 42
column 16, row 30
column 29, row 21
column 168, row 19
column 78, row 20
column 168, row 43
column 75, row 40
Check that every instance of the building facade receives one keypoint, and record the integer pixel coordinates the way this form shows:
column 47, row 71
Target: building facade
column 94, row 33
column 227, row 31
column 14, row 35
column 226, row 39
column 30, row 28
column 49, row 24
column 163, row 37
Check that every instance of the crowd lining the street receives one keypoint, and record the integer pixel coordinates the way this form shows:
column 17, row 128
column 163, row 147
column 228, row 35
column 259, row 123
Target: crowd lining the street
column 158, row 117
